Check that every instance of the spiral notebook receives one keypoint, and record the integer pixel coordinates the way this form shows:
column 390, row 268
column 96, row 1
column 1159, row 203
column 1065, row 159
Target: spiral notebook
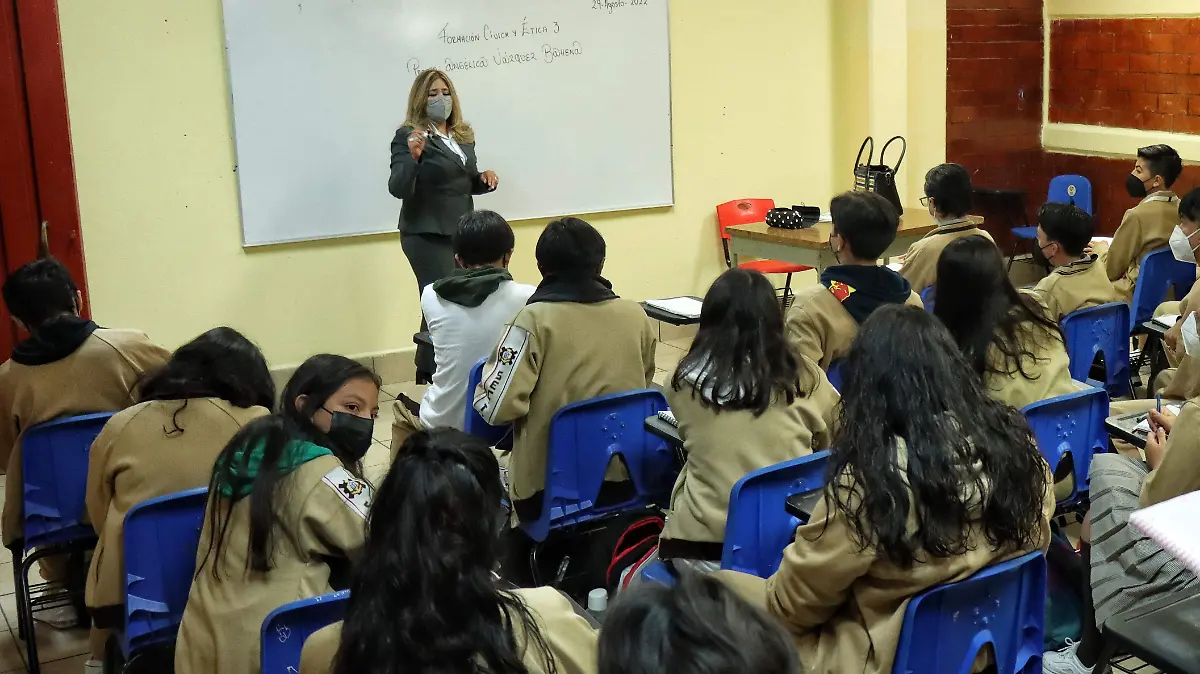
column 1172, row 524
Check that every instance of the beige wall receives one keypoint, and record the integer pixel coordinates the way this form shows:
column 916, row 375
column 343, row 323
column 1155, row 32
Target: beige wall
column 756, row 112
column 1085, row 8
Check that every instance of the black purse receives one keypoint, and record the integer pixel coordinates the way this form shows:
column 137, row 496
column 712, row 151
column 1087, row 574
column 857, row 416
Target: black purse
column 879, row 178
column 796, row 217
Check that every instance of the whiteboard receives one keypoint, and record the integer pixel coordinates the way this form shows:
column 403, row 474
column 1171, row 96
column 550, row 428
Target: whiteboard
column 570, row 101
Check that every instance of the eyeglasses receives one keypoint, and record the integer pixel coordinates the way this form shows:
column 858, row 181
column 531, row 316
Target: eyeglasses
column 925, row 201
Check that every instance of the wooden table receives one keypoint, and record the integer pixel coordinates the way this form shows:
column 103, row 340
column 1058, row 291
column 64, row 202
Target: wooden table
column 810, row 247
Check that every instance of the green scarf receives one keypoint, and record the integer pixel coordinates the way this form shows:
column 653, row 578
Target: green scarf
column 246, row 466
column 470, row 287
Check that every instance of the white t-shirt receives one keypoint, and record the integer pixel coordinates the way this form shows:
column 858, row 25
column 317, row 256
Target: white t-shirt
column 462, row 336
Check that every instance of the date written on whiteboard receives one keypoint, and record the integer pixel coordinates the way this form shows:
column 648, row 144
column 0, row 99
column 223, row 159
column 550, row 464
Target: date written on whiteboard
column 611, row 6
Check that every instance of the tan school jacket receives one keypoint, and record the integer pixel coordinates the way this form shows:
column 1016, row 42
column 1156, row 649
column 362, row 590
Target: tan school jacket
column 819, row 327
column 554, row 354
column 845, row 606
column 1144, row 229
column 1179, row 472
column 140, row 455
column 920, row 262
column 1050, row 369
column 1079, row 285
column 569, row 637
column 100, row 376
column 323, row 515
column 723, row 447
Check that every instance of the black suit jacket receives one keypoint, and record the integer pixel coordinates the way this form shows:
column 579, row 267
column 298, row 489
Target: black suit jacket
column 437, row 189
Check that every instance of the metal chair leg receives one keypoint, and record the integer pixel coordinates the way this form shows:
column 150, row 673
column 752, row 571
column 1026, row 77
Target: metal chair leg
column 17, row 582
column 787, row 291
column 26, row 615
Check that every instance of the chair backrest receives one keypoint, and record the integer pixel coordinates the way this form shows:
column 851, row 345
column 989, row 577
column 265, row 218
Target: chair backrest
column 584, row 437
column 1159, row 272
column 758, row 526
column 54, row 465
column 927, row 298
column 1071, row 423
column 473, row 423
column 742, row 212
column 835, row 372
column 1002, row 605
column 1071, row 189
column 1100, row 330
column 161, row 537
column 285, row 629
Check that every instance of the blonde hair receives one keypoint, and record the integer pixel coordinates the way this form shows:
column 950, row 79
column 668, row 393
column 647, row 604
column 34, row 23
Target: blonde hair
column 418, row 96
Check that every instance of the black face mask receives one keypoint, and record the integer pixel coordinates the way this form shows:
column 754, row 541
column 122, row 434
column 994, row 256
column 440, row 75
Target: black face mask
column 351, row 433
column 1135, row 187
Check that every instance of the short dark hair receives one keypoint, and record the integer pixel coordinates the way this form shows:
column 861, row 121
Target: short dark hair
column 697, row 626
column 570, row 246
column 867, row 222
column 482, row 237
column 40, row 291
column 949, row 185
column 1067, row 225
column 1189, row 206
column 1162, row 160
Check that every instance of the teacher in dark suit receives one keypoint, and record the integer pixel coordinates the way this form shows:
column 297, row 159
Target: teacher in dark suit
column 434, row 172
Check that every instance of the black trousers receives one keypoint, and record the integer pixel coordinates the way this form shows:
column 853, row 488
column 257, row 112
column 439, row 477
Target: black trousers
column 431, row 257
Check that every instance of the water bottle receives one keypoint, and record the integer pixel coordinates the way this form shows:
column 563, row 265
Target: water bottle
column 597, row 603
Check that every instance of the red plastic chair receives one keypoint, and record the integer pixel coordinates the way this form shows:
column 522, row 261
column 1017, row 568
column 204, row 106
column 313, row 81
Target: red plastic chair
column 744, row 212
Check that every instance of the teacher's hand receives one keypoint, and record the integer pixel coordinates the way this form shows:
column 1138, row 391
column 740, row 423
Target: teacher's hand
column 490, row 179
column 416, row 144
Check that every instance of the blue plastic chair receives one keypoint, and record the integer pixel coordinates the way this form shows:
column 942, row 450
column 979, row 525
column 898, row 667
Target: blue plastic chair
column 1071, row 423
column 474, row 424
column 835, row 373
column 584, row 437
column 1160, row 271
column 1060, row 193
column 161, row 537
column 927, row 297
column 759, row 527
column 54, row 465
column 1002, row 605
column 285, row 629
column 1100, row 330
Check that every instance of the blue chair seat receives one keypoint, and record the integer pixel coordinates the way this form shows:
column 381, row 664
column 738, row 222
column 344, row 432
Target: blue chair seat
column 1074, row 424
column 658, row 573
column 1158, row 273
column 474, row 424
column 1029, row 233
column 285, row 629
column 1100, row 331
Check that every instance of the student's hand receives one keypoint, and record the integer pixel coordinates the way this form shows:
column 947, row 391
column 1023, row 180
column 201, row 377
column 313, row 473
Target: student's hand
column 416, row 144
column 1173, row 336
column 1156, row 447
column 1095, row 247
column 1164, row 420
column 490, row 179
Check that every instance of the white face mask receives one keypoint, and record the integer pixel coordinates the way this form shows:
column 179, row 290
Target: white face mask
column 1181, row 246
column 1191, row 337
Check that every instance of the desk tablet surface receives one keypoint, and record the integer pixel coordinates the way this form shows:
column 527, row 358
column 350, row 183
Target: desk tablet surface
column 1164, row 633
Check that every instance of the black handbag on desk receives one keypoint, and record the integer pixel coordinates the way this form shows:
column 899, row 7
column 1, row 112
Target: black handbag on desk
column 879, row 178
column 796, row 217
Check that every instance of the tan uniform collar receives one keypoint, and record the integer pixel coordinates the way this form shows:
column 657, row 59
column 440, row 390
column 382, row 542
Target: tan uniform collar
column 1077, row 267
column 1160, row 195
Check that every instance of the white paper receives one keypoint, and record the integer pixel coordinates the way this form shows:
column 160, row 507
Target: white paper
column 1102, row 239
column 825, row 217
column 1172, row 524
column 895, row 266
column 687, row 307
column 1166, row 320
column 1144, row 424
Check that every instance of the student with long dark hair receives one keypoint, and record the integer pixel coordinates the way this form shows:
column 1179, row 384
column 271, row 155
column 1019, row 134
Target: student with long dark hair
column 743, row 402
column 1005, row 335
column 188, row 411
column 697, row 626
column 931, row 479
column 425, row 600
column 286, row 513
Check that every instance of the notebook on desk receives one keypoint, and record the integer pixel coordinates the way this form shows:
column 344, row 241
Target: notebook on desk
column 1166, row 320
column 687, row 307
column 1172, row 524
column 666, row 416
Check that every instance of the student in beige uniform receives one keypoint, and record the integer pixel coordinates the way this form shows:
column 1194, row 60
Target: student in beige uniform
column 286, row 514
column 1006, row 336
column 914, row 422
column 424, row 598
column 189, row 410
column 948, row 198
column 743, row 402
column 1147, row 226
column 1078, row 281
column 825, row 317
column 1124, row 569
column 573, row 341
column 68, row 366
column 696, row 626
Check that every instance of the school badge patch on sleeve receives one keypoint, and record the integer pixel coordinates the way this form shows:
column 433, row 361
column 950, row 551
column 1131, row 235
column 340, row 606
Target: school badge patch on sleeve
column 840, row 290
column 354, row 492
